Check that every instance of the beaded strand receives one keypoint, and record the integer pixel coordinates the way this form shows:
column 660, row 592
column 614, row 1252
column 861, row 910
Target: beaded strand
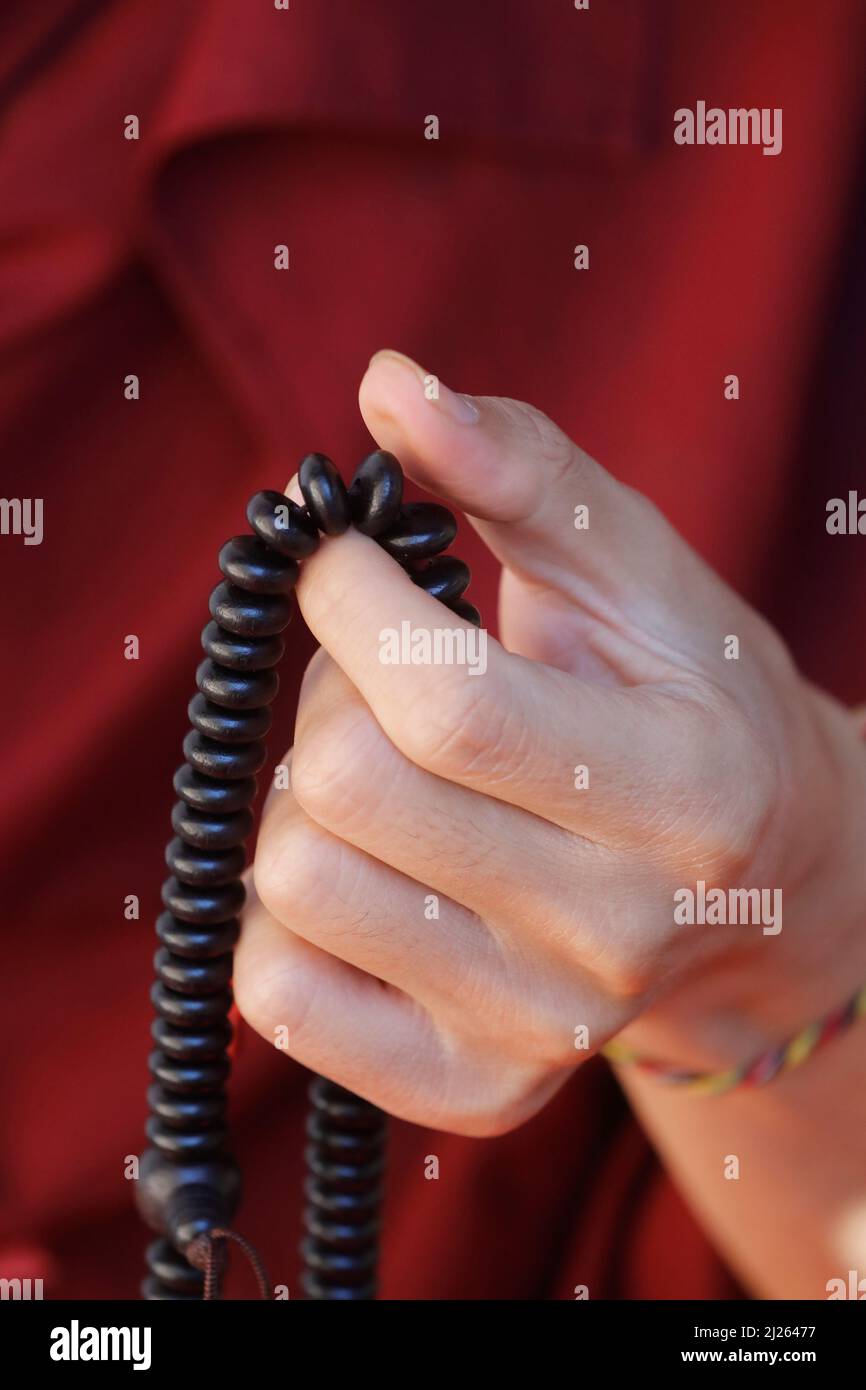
column 189, row 1185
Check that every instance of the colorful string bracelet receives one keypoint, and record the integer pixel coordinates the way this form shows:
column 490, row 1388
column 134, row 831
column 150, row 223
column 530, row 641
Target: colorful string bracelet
column 759, row 1070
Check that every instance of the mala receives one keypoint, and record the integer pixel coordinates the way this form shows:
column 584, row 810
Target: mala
column 189, row 1185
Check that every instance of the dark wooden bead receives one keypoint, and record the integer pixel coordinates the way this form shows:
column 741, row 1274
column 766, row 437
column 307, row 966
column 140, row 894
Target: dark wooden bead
column 171, row 1270
column 174, row 1196
column 328, row 1261
column 209, row 976
column 186, row 1111
column 250, row 615
column 376, row 493
column 236, row 689
column 421, row 529
column 192, row 1078
column 343, row 1108
column 241, row 653
column 444, row 577
column 347, row 1235
column 203, row 905
column 322, row 1130
column 187, row 1185
column 180, row 1145
column 190, row 1010
column 467, row 611
column 330, row 1171
column 228, row 725
column 345, row 1163
column 194, row 1211
column 281, row 523
column 221, row 760
column 324, row 493
column 211, row 832
column 342, row 1202
column 344, row 1286
column 197, row 942
column 250, row 564
column 204, row 867
column 207, row 794
column 191, row 1045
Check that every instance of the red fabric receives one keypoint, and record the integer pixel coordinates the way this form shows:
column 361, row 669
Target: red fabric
column 155, row 257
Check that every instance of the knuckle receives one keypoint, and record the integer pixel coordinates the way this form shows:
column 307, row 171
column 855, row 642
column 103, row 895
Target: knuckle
column 712, row 815
column 290, row 867
column 334, row 593
column 464, row 730
column 270, row 995
column 332, row 767
column 627, row 962
column 315, row 885
column 752, row 806
column 731, row 824
column 486, row 1113
column 544, row 438
column 631, row 975
column 345, row 918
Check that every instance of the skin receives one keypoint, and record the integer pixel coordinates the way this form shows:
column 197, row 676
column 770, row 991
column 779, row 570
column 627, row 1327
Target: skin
column 556, row 905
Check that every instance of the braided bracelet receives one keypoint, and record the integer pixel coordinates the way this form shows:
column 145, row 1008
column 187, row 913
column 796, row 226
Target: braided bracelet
column 189, row 1185
column 759, row 1070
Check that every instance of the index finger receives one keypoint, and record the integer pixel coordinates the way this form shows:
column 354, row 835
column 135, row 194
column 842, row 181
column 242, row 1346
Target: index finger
column 456, row 703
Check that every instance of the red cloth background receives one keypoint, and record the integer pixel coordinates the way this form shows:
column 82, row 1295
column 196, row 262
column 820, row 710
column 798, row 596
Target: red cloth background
column 155, row 257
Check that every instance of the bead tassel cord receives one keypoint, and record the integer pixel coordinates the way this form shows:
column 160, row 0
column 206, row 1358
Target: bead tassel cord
column 189, row 1185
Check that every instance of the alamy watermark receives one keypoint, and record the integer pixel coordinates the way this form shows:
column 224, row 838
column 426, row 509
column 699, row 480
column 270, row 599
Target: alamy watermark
column 852, row 1287
column 77, row 1343
column 846, row 516
column 25, row 1290
column 736, row 125
column 437, row 646
column 22, row 516
column 745, row 907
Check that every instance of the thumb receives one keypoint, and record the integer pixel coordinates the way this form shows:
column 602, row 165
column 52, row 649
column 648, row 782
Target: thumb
column 524, row 485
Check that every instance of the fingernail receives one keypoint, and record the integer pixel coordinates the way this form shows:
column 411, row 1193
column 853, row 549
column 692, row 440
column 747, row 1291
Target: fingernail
column 292, row 490
column 463, row 409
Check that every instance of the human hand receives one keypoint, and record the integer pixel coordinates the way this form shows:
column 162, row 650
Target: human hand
column 555, row 902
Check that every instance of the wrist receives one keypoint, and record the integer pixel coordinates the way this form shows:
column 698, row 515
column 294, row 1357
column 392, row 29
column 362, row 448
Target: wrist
column 753, row 997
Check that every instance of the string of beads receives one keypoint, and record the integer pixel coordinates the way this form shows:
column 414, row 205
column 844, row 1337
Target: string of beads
column 189, row 1185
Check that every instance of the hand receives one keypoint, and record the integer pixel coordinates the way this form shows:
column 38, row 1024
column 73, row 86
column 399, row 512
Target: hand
column 418, row 785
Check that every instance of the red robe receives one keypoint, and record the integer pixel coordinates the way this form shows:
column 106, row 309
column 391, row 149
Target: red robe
column 261, row 127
